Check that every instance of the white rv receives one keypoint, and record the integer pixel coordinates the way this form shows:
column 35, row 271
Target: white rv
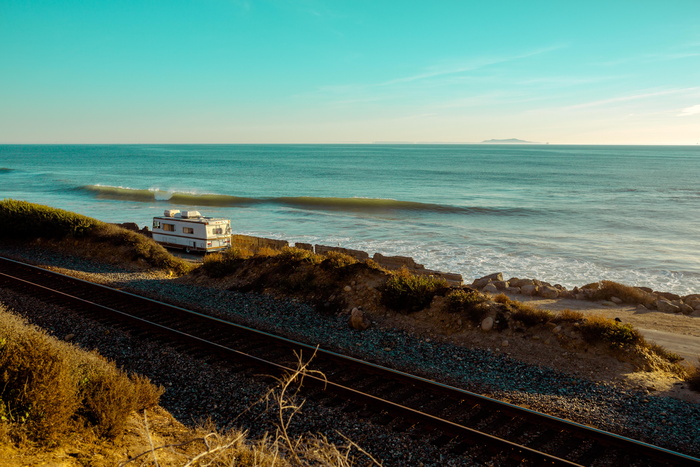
column 190, row 231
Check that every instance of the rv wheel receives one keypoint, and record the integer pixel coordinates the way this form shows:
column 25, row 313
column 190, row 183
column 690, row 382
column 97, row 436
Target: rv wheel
column 187, row 250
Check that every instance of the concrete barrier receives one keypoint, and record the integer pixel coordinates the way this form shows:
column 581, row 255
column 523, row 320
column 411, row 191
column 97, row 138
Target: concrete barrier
column 254, row 244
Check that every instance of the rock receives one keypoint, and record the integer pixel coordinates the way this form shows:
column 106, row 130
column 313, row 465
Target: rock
column 695, row 314
column 515, row 282
column 686, row 309
column 479, row 283
column 505, row 343
column 616, row 300
column 358, row 320
column 487, row 324
column 667, row 307
column 501, row 285
column 548, row 291
column 347, row 288
column 693, row 302
column 607, row 303
column 530, row 289
column 513, row 290
column 668, row 296
column 69, row 337
column 490, row 288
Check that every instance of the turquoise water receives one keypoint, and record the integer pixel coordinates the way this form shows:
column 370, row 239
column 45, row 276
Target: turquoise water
column 564, row 214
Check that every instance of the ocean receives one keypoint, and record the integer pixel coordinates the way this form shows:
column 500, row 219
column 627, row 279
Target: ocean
column 564, row 214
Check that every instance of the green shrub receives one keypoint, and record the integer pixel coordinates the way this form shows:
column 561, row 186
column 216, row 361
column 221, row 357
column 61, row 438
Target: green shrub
column 298, row 255
column 49, row 387
column 469, row 302
column 337, row 260
column 615, row 334
column 404, row 291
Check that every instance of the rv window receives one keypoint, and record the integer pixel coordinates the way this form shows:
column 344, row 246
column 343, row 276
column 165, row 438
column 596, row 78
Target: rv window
column 188, row 230
column 218, row 231
column 169, row 227
column 156, row 224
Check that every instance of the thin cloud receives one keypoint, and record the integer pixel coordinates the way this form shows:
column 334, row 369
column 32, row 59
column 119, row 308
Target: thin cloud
column 632, row 97
column 688, row 111
column 469, row 66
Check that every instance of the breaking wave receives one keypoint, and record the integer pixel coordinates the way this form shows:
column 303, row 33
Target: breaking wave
column 367, row 205
column 153, row 195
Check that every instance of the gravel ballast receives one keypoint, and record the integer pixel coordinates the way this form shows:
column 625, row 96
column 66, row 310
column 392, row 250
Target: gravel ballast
column 196, row 391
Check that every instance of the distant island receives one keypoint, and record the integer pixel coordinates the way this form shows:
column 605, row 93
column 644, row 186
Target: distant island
column 509, row 141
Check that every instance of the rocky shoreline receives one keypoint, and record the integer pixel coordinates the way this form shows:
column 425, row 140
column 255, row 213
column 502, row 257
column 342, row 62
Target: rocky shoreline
column 645, row 299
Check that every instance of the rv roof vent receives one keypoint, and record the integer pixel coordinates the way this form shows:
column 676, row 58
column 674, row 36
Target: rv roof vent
column 190, row 214
column 171, row 212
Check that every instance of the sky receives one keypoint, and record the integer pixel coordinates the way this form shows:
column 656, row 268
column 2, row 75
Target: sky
column 355, row 71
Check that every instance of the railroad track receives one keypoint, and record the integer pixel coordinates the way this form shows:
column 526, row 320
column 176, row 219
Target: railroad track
column 481, row 428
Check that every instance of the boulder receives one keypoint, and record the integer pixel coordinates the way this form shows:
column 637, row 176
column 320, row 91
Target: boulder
column 479, row 283
column 686, row 309
column 487, row 324
column 358, row 320
column 530, row 289
column 501, row 285
column 490, row 288
column 515, row 282
column 513, row 290
column 548, row 292
column 616, row 300
column 668, row 296
column 666, row 307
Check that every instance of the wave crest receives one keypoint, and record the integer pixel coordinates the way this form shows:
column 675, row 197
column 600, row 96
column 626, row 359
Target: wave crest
column 367, row 205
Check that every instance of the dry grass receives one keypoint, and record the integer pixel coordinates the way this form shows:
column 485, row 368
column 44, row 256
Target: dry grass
column 526, row 314
column 207, row 446
column 605, row 290
column 50, row 388
column 569, row 316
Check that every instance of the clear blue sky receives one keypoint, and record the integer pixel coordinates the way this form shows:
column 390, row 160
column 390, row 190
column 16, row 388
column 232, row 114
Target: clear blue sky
column 313, row 71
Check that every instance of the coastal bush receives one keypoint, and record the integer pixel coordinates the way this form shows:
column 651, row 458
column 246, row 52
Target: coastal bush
column 617, row 335
column 28, row 221
column 605, row 290
column 49, row 388
column 467, row 301
column 224, row 263
column 337, row 260
column 20, row 220
column 299, row 255
column 404, row 291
